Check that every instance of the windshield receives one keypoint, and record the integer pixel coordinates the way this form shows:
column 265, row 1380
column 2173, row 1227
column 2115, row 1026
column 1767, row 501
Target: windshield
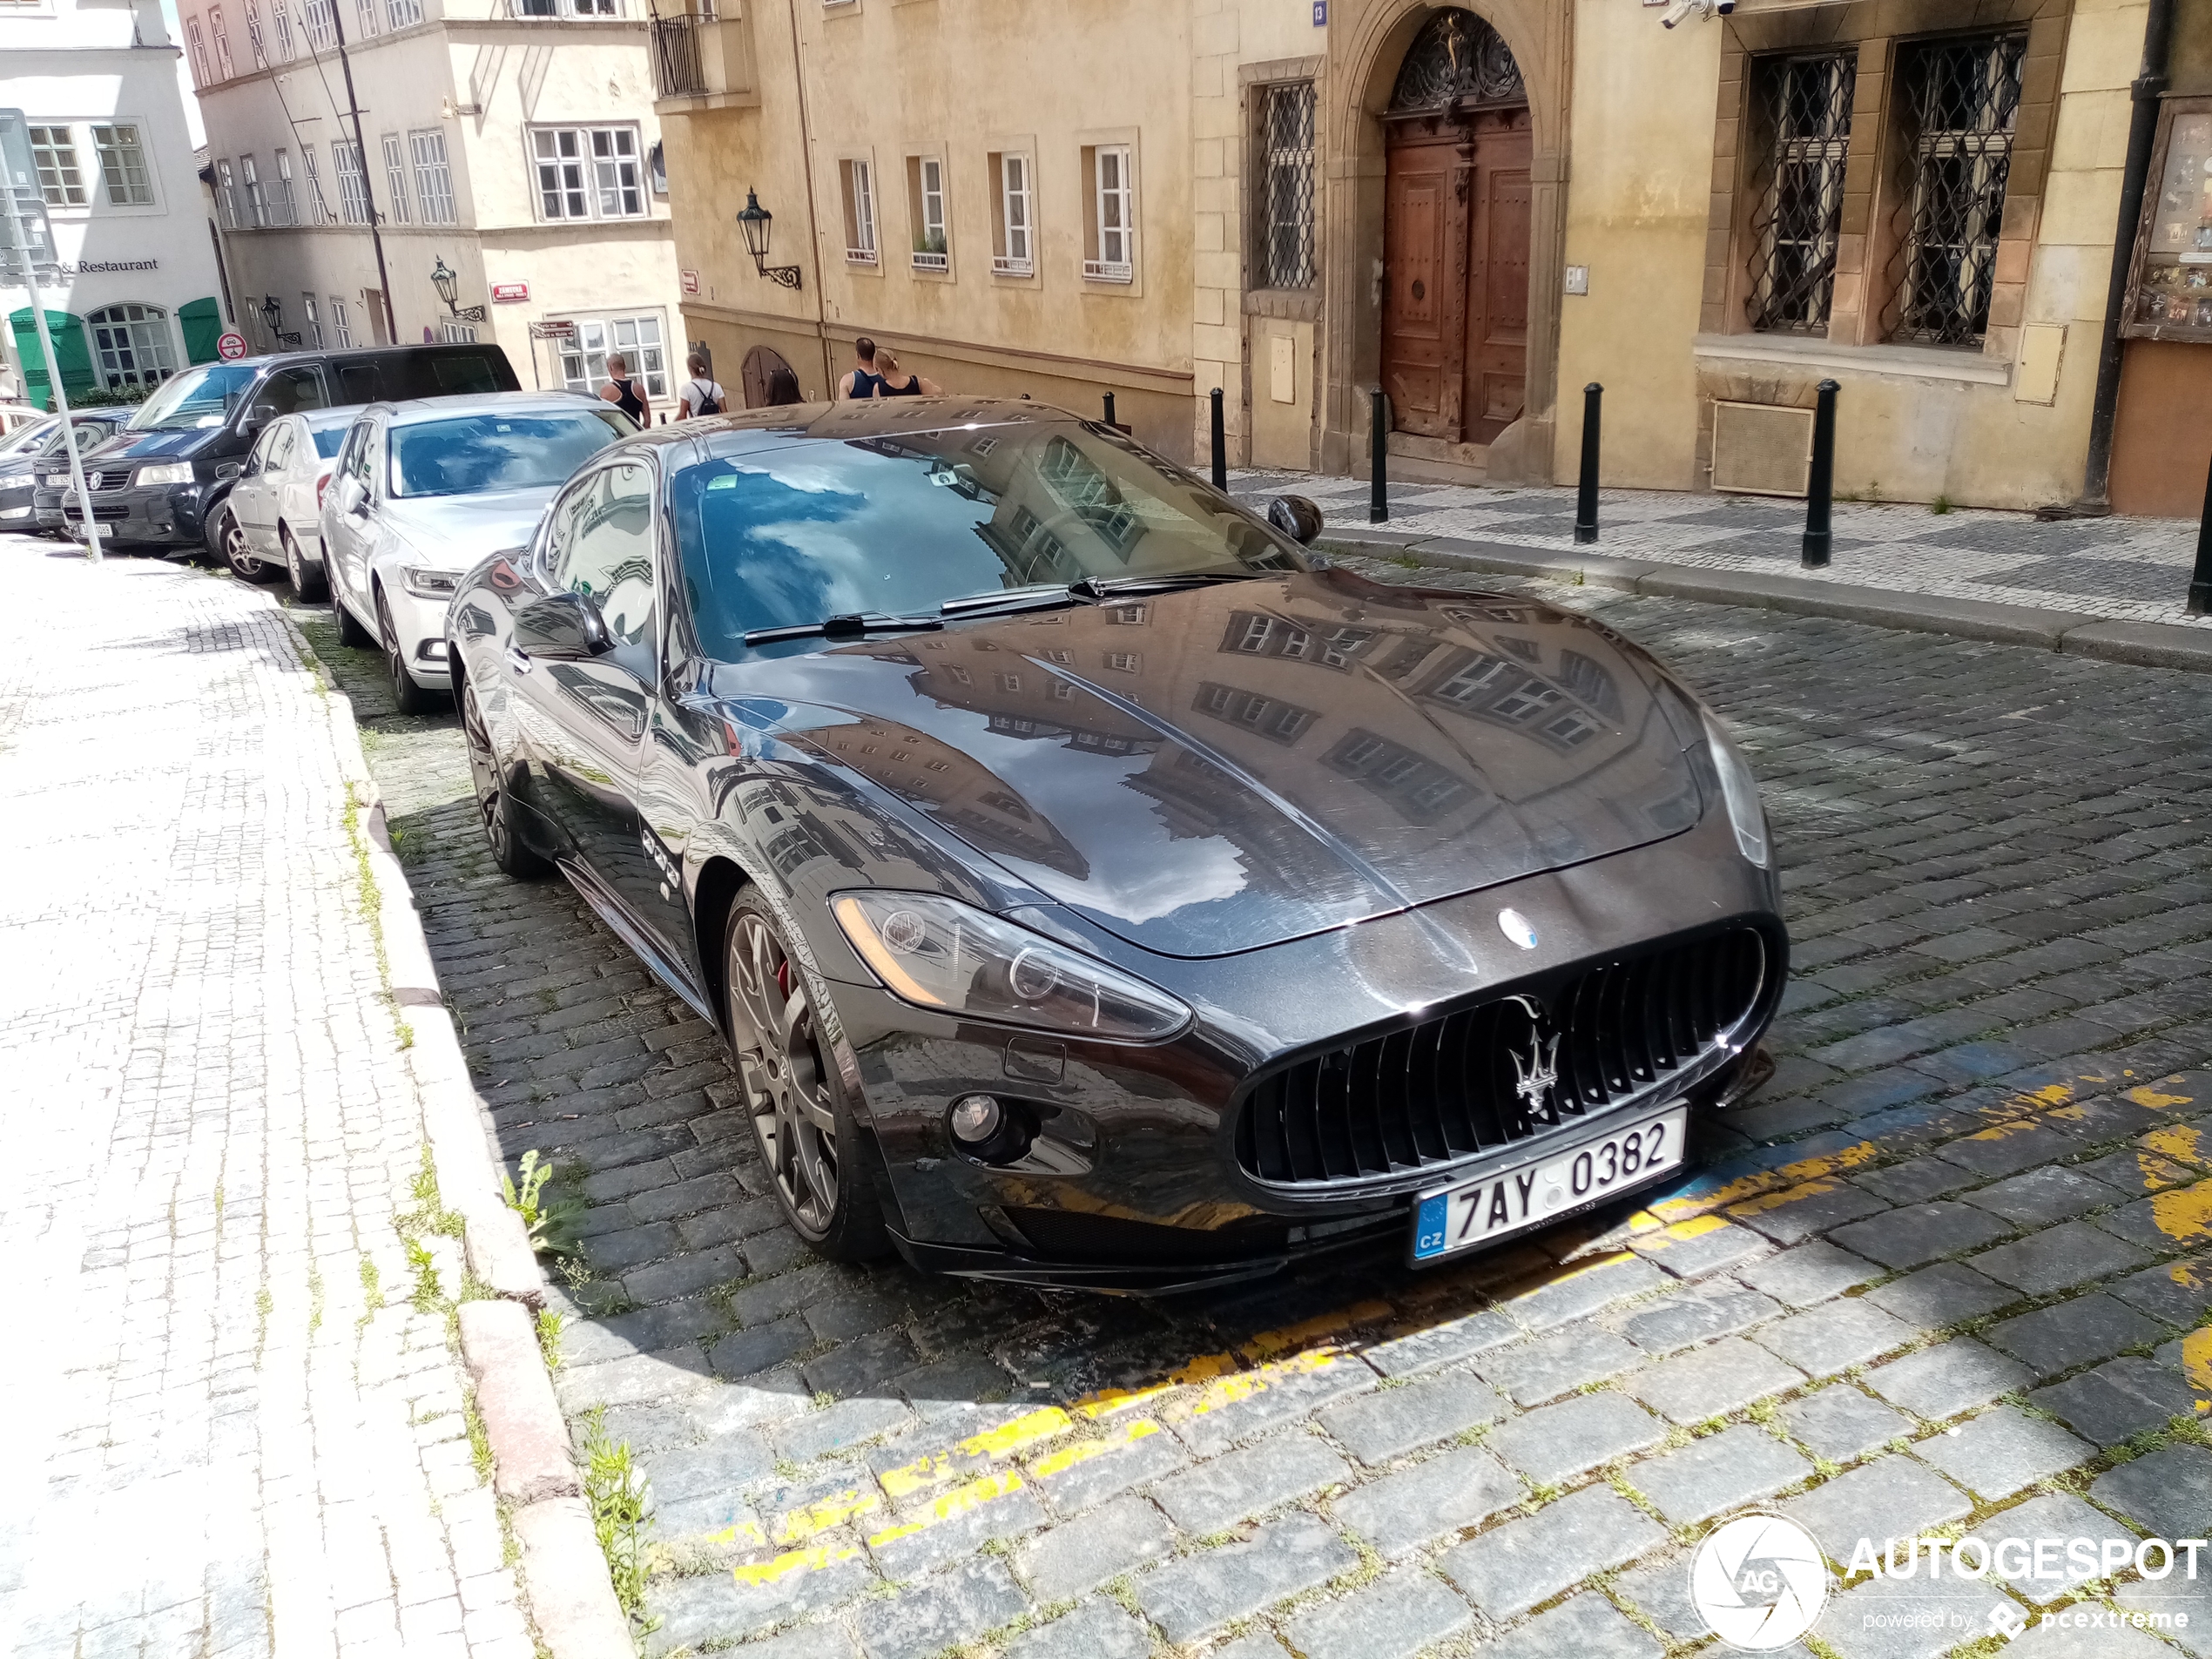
column 31, row 437
column 197, row 398
column 898, row 526
column 474, row 452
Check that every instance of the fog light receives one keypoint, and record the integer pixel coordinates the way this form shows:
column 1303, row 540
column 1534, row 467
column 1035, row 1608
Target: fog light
column 975, row 1119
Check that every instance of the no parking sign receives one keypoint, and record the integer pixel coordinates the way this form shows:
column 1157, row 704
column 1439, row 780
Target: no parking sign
column 231, row 346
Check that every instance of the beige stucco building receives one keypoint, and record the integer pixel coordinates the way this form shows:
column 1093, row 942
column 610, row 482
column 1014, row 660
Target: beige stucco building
column 1480, row 211
column 510, row 142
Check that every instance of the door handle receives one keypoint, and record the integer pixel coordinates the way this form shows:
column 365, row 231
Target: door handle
column 518, row 659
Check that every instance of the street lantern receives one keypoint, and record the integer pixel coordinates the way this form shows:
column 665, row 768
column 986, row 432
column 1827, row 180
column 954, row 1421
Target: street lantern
column 272, row 315
column 448, row 284
column 754, row 220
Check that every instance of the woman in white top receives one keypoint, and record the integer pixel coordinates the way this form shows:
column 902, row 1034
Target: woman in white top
column 701, row 395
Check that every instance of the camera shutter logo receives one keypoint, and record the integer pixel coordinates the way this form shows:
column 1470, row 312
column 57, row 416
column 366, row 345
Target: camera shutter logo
column 1759, row 1580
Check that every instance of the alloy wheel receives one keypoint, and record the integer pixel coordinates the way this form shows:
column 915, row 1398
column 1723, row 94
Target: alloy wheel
column 483, row 771
column 782, row 1068
column 237, row 551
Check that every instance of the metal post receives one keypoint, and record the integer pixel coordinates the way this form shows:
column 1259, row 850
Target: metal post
column 1110, row 408
column 1586, row 488
column 20, row 241
column 1820, row 483
column 2201, row 579
column 1220, row 445
column 1378, row 460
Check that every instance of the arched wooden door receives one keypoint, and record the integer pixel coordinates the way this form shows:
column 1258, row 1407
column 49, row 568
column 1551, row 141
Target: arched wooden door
column 1455, row 234
column 760, row 363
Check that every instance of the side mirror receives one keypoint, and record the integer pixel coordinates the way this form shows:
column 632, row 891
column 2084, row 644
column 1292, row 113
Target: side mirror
column 353, row 496
column 257, row 417
column 563, row 626
column 1296, row 517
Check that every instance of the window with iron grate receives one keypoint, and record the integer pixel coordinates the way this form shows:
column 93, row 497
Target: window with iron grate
column 1803, row 106
column 1284, row 257
column 1959, row 100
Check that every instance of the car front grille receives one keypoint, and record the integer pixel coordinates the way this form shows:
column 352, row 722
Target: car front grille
column 1475, row 1079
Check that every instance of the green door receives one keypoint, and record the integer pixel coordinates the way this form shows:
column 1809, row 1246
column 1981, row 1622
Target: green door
column 70, row 351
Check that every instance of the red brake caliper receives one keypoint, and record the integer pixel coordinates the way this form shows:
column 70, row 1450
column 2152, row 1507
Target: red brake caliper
column 783, row 977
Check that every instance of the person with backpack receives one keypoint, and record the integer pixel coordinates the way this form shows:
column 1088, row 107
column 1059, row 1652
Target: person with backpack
column 702, row 394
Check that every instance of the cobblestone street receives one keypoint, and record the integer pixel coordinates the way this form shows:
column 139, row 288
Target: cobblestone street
column 1951, row 1269
column 236, row 1423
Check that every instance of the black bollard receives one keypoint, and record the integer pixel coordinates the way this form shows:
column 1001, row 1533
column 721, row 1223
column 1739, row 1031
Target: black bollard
column 1586, row 488
column 1110, row 408
column 1820, row 485
column 1220, row 445
column 2201, row 579
column 1378, row 471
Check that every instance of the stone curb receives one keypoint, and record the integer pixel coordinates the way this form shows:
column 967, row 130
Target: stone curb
column 2144, row 645
column 572, row 1600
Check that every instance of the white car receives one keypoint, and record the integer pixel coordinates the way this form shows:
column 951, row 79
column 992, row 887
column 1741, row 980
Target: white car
column 276, row 505
column 423, row 491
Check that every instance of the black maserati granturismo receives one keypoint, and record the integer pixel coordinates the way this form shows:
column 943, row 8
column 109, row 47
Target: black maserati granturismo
column 1095, row 886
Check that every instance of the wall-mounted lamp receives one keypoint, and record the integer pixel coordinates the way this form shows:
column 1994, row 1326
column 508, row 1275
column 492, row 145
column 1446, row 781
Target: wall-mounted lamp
column 272, row 315
column 448, row 285
column 754, row 221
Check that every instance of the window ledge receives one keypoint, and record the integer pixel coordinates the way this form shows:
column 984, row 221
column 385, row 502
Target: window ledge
column 1906, row 362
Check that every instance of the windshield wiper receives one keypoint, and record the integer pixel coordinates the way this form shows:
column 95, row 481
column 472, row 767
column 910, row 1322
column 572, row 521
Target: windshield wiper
column 845, row 627
column 1039, row 594
column 1111, row 587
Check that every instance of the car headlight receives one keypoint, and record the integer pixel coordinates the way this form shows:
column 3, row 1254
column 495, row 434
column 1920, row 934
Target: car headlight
column 425, row 583
column 165, row 472
column 1739, row 791
column 939, row 954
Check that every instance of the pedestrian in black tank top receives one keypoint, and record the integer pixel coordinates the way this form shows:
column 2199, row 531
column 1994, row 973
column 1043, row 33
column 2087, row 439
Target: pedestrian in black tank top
column 624, row 393
column 893, row 381
column 863, row 380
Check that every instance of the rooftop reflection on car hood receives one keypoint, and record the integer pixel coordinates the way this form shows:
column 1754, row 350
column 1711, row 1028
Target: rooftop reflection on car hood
column 1217, row 769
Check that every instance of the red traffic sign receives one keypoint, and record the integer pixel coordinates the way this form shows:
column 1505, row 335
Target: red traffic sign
column 232, row 346
column 510, row 293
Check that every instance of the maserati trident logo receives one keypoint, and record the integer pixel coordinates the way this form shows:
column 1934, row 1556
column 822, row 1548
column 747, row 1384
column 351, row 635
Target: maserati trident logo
column 1538, row 1071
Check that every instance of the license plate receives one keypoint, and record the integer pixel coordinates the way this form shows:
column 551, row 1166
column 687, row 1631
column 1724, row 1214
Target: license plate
column 1478, row 1212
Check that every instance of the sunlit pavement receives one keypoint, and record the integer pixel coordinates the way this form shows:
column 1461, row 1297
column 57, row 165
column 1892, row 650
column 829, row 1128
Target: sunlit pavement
column 1950, row 1262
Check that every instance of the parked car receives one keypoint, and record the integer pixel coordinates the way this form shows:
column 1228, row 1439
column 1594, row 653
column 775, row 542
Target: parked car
column 276, row 505
column 163, row 478
column 1094, row 888
column 424, row 490
column 34, row 450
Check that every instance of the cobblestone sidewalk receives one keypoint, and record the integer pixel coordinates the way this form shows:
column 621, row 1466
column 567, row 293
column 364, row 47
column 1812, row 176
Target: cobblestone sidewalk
column 2133, row 569
column 230, row 1430
column 1951, row 1269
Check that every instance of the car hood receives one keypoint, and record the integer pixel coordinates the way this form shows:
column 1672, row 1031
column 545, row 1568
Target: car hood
column 453, row 532
column 1213, row 770
column 127, row 445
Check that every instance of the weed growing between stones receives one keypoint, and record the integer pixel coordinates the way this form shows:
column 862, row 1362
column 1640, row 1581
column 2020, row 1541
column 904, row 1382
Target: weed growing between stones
column 551, row 1224
column 551, row 1324
column 617, row 1506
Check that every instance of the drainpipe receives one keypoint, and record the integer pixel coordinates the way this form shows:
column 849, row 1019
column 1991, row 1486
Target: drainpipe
column 2158, row 28
column 813, row 214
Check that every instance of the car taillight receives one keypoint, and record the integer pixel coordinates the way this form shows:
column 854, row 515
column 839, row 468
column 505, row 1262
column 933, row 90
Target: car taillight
column 322, row 483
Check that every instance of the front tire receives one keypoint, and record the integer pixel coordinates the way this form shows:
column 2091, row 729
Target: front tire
column 227, row 537
column 497, row 808
column 408, row 695
column 350, row 632
column 803, row 1123
column 309, row 581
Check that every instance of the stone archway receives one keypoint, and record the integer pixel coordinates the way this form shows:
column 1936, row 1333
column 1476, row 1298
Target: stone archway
column 1371, row 41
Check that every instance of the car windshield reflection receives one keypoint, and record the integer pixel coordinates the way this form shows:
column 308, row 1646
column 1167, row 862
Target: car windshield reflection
column 473, row 454
column 199, row 397
column 895, row 526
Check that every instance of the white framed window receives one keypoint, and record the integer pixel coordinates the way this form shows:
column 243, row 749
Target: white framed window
column 637, row 340
column 457, row 333
column 280, row 20
column 226, row 192
column 249, row 178
column 926, row 209
column 322, row 24
column 857, row 179
column 1015, row 254
column 200, row 77
column 588, row 172
column 133, row 345
column 1110, row 255
column 123, row 164
column 342, row 331
column 365, row 19
column 395, row 179
column 253, row 32
column 314, row 330
column 222, row 40
column 318, row 203
column 61, row 181
column 402, row 13
column 280, row 208
column 352, row 189
column 432, row 177
column 575, row 9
